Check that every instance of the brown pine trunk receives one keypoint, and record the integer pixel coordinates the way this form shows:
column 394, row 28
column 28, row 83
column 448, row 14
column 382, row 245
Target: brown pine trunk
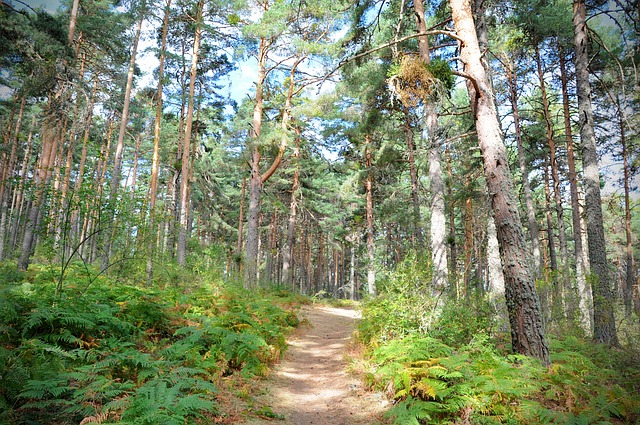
column 534, row 232
column 371, row 273
column 5, row 176
column 47, row 157
column 629, row 259
column 117, row 162
column 155, row 161
column 417, row 237
column 255, row 180
column 527, row 333
column 604, row 325
column 553, row 162
column 453, row 247
column 580, row 253
column 293, row 206
column 438, row 222
column 186, row 144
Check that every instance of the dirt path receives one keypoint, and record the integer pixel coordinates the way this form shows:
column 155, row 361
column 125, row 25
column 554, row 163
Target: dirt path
column 311, row 385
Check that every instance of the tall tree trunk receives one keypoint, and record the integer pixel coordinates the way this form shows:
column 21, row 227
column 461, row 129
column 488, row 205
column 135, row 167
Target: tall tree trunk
column 186, row 144
column 255, row 180
column 629, row 260
column 291, row 223
column 553, row 257
column 7, row 175
column 117, row 162
column 72, row 21
column 604, row 325
column 453, row 251
column 553, row 162
column 371, row 271
column 534, row 232
column 418, row 236
column 495, row 287
column 580, row 253
column 47, row 157
column 438, row 221
column 155, row 161
column 527, row 333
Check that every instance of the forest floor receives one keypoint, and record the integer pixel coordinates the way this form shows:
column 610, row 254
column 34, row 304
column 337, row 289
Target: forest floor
column 311, row 385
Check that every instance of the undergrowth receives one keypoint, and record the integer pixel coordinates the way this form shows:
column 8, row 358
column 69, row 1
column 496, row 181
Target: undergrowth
column 452, row 365
column 124, row 353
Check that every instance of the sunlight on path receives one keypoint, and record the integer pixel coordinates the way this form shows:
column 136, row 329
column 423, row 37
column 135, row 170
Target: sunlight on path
column 311, row 385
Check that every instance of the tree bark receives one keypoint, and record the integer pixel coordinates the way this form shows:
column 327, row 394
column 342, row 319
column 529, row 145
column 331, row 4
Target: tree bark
column 527, row 333
column 155, row 161
column 255, row 180
column 604, row 325
column 186, row 144
column 580, row 253
column 438, row 221
column 553, row 162
column 117, row 162
column 291, row 223
column 534, row 231
column 371, row 271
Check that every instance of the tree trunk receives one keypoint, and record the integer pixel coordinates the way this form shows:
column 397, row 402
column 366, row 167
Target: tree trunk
column 582, row 261
column 255, row 180
column 49, row 146
column 534, row 232
column 7, row 175
column 629, row 260
column 525, row 319
column 155, row 161
column 117, row 162
column 186, row 145
column 453, row 250
column 418, row 242
column 555, row 176
column 438, row 221
column 291, row 224
column 604, row 325
column 371, row 271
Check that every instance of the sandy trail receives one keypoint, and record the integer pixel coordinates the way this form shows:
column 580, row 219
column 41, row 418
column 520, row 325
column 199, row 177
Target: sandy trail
column 311, row 385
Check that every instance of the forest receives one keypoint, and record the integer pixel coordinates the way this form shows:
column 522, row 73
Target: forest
column 179, row 177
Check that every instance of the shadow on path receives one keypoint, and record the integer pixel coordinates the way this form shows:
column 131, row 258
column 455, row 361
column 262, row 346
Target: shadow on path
column 311, row 386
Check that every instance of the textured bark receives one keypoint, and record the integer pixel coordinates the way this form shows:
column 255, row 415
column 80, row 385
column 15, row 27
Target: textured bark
column 371, row 273
column 494, row 265
column 291, row 221
column 534, row 232
column 580, row 253
column 453, row 248
column 117, row 162
column 553, row 257
column 47, row 158
column 186, row 144
column 6, row 175
column 604, row 325
column 413, row 173
column 522, row 302
column 155, row 161
column 553, row 162
column 438, row 221
column 255, row 180
column 629, row 259
column 72, row 20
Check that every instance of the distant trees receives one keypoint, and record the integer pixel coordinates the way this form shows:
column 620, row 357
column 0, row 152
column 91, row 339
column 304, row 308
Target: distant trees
column 371, row 134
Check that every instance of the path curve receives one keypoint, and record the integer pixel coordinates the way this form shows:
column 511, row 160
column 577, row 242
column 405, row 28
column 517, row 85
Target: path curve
column 311, row 386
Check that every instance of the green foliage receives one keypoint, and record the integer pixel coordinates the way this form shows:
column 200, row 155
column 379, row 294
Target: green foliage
column 122, row 353
column 438, row 384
